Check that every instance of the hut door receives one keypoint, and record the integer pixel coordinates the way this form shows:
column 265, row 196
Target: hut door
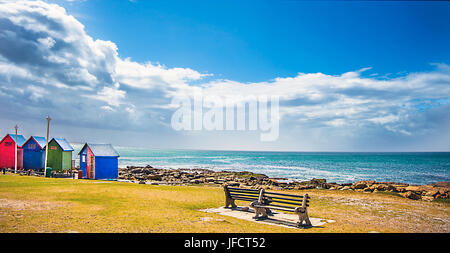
column 92, row 167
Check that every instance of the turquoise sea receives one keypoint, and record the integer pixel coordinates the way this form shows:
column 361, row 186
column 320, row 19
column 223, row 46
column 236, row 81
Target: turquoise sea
column 412, row 168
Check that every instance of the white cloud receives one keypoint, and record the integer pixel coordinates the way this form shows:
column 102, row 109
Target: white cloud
column 112, row 96
column 46, row 54
column 148, row 76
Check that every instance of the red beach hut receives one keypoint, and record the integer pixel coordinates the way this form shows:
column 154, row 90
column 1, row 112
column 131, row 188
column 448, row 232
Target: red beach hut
column 7, row 151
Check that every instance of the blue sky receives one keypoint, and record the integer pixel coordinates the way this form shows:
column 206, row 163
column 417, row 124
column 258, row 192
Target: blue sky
column 351, row 76
column 252, row 41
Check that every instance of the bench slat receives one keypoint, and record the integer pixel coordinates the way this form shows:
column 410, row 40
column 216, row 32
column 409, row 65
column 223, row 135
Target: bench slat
column 273, row 199
column 285, row 202
column 285, row 206
column 290, row 199
column 242, row 190
column 276, row 208
column 244, row 199
column 244, row 195
column 284, row 194
column 282, row 206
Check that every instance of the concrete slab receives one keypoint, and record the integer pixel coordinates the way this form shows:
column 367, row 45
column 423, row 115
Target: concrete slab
column 277, row 218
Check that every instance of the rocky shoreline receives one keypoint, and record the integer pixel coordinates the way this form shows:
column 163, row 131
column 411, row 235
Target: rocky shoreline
column 245, row 179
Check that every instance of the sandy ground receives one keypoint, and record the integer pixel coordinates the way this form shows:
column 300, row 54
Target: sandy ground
column 276, row 219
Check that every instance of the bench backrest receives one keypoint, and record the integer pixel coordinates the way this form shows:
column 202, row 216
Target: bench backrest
column 242, row 194
column 274, row 199
column 283, row 200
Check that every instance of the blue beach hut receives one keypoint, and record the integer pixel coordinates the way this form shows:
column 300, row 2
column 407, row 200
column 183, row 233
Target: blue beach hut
column 99, row 161
column 33, row 153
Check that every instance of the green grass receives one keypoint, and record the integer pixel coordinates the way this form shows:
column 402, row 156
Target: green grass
column 34, row 204
column 389, row 193
column 446, row 201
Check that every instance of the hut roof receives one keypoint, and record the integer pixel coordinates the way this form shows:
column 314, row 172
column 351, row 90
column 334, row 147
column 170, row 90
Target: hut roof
column 20, row 139
column 40, row 140
column 101, row 149
column 64, row 144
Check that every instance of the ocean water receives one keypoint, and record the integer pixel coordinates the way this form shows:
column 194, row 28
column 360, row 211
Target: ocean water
column 412, row 168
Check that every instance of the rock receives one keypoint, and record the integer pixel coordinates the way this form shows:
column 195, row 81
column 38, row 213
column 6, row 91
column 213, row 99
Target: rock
column 413, row 189
column 443, row 191
column 304, row 187
column 399, row 189
column 154, row 177
column 383, row 187
column 251, row 180
column 273, row 182
column 194, row 181
column 233, row 184
column 318, row 181
column 410, row 195
column 359, row 185
column 428, row 198
column 368, row 189
column 366, row 182
column 442, row 184
column 432, row 193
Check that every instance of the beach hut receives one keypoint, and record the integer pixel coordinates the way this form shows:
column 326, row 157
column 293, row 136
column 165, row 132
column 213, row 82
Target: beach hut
column 7, row 151
column 33, row 153
column 99, row 161
column 59, row 154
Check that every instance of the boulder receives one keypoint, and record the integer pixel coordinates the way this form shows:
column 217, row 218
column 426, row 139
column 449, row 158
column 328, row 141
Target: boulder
column 231, row 183
column 210, row 179
column 346, row 188
column 318, row 181
column 359, row 185
column 413, row 189
column 428, row 198
column 154, row 177
column 194, row 181
column 366, row 182
column 410, row 195
column 384, row 187
column 399, row 189
column 442, row 184
column 273, row 182
column 368, row 189
column 432, row 193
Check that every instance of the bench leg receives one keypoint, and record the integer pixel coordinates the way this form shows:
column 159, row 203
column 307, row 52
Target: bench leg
column 229, row 202
column 303, row 217
column 260, row 212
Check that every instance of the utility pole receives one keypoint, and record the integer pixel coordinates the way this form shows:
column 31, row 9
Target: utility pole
column 46, row 147
column 15, row 154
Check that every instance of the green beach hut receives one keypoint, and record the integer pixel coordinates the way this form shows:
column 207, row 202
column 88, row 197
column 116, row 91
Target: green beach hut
column 59, row 154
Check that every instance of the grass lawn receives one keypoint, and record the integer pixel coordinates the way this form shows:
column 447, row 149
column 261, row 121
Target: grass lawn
column 33, row 204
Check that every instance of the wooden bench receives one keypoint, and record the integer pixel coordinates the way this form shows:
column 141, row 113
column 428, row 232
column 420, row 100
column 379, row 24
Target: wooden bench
column 263, row 201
